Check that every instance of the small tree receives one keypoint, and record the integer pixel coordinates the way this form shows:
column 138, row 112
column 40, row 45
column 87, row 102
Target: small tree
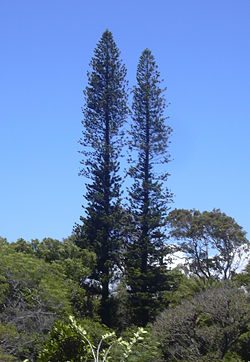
column 104, row 114
column 148, row 196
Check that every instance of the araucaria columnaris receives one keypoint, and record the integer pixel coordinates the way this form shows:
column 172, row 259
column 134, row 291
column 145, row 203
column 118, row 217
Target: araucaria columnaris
column 104, row 112
column 148, row 196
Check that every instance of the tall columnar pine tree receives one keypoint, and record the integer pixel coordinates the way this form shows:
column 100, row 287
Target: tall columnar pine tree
column 104, row 114
column 148, row 197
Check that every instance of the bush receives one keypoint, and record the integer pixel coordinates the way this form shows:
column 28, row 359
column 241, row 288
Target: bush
column 91, row 341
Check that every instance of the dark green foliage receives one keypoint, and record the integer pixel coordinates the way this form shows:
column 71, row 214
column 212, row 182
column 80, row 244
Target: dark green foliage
column 148, row 197
column 104, row 114
column 189, row 287
column 214, row 242
column 240, row 349
column 65, row 343
column 205, row 328
column 233, row 357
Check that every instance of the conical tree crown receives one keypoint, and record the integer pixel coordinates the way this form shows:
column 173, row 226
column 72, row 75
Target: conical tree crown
column 105, row 95
column 148, row 196
column 149, row 130
column 104, row 112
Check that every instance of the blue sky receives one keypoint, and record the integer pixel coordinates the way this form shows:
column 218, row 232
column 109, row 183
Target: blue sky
column 202, row 48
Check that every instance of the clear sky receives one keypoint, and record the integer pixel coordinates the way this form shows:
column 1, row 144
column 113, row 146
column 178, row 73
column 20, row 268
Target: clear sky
column 202, row 48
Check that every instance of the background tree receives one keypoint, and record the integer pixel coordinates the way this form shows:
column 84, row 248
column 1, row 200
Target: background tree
column 214, row 242
column 104, row 114
column 148, row 196
column 74, row 263
column 243, row 279
column 189, row 287
column 33, row 294
column 206, row 328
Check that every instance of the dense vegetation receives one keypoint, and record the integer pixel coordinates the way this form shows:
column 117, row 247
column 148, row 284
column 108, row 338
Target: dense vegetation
column 110, row 291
